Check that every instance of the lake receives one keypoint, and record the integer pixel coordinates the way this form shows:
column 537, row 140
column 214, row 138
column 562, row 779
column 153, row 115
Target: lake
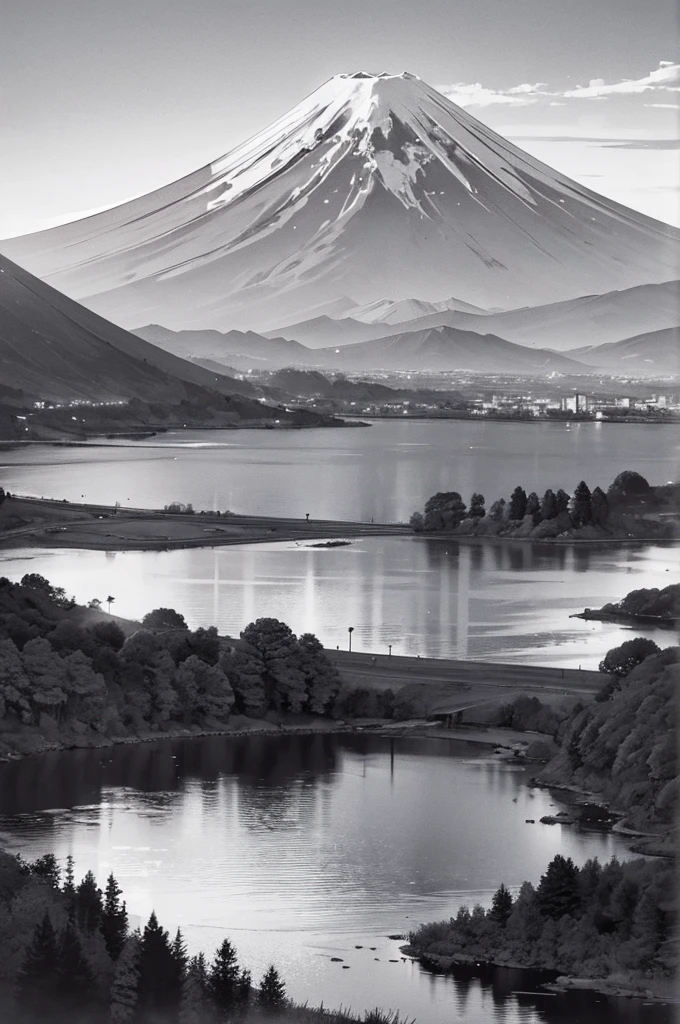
column 382, row 472
column 489, row 602
column 303, row 848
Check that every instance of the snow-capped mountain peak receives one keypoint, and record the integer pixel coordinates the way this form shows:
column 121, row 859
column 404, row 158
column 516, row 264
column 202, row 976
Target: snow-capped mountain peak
column 373, row 185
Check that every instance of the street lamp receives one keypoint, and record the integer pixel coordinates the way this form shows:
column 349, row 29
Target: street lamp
column 389, row 648
column 350, row 630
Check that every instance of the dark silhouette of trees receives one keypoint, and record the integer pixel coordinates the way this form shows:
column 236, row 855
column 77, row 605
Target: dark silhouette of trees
column 581, row 511
column 497, row 510
column 223, row 977
column 88, row 904
column 74, row 976
column 501, row 906
column 558, row 892
column 599, row 507
column 518, row 503
column 36, row 983
column 477, row 509
column 562, row 501
column 157, row 968
column 628, row 484
column 114, row 919
column 533, row 508
column 623, row 659
column 164, row 618
column 444, row 511
column 272, row 991
column 549, row 505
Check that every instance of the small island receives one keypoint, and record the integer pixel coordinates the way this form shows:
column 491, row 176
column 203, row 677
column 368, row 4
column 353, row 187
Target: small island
column 631, row 508
column 644, row 607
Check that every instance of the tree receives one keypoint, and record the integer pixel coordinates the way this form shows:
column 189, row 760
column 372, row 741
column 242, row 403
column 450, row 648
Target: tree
column 69, row 888
column 497, row 510
column 47, row 673
column 272, row 991
column 518, row 503
column 46, row 867
column 558, row 892
column 562, row 501
column 284, row 681
column 533, row 508
column 245, row 670
column 88, row 904
column 180, row 960
column 621, row 660
column 195, row 1000
column 549, row 505
column 322, row 677
column 444, row 511
column 477, row 510
column 599, row 507
column 114, row 920
column 581, row 510
column 204, row 690
column 223, row 976
column 74, row 974
column 124, row 988
column 2, row 495
column 164, row 618
column 417, row 522
column 627, row 484
column 109, row 601
column 157, row 968
column 36, row 982
column 95, row 603
column 501, row 907
column 34, row 581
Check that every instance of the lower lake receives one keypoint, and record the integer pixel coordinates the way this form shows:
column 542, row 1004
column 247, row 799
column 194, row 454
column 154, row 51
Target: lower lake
column 305, row 848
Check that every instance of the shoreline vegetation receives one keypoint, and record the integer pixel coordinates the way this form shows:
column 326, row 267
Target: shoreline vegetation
column 644, row 607
column 631, row 512
column 74, row 677
column 631, row 509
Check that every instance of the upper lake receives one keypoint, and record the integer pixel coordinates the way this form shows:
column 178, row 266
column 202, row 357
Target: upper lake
column 382, row 472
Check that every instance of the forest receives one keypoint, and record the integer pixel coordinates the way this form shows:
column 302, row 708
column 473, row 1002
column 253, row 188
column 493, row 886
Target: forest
column 67, row 953
column 585, row 514
column 598, row 921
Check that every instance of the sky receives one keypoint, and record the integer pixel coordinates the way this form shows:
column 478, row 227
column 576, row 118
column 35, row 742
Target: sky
column 103, row 100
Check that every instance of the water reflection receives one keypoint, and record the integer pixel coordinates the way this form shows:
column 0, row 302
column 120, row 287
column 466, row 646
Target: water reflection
column 421, row 595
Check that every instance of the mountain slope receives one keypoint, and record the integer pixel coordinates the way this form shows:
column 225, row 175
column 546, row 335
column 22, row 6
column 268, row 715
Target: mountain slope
column 657, row 352
column 244, row 348
column 373, row 185
column 446, row 348
column 54, row 349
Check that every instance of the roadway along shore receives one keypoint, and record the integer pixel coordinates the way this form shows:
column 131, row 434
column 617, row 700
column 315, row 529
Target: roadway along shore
column 42, row 522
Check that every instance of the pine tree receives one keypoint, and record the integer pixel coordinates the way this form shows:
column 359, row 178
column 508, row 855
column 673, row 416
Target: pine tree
column 223, row 976
column 518, row 503
column 36, row 983
column 558, row 892
column 74, row 975
column 581, row 510
column 497, row 510
column 549, row 505
column 501, row 907
column 69, row 886
column 477, row 510
column 599, row 507
column 180, row 960
column 125, row 985
column 47, row 867
column 157, row 968
column 533, row 508
column 272, row 991
column 562, row 501
column 194, row 1002
column 88, row 904
column 114, row 920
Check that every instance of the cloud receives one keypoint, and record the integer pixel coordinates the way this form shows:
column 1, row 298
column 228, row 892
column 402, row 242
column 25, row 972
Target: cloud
column 665, row 79
column 477, row 95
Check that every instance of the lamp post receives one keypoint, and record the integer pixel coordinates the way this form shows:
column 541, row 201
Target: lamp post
column 350, row 630
column 389, row 648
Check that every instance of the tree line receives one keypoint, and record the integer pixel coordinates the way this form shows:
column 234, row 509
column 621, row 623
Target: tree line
column 446, row 510
column 591, row 922
column 68, row 954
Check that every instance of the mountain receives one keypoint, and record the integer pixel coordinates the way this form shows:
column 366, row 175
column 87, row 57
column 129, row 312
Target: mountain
column 372, row 186
column 657, row 352
column 51, row 348
column 244, row 349
column 559, row 325
column 387, row 311
column 447, row 348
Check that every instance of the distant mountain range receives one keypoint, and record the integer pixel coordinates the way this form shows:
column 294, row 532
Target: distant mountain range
column 655, row 352
column 372, row 186
column 561, row 326
column 53, row 349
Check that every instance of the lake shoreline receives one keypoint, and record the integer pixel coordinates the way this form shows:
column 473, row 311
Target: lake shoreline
column 649, row 989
